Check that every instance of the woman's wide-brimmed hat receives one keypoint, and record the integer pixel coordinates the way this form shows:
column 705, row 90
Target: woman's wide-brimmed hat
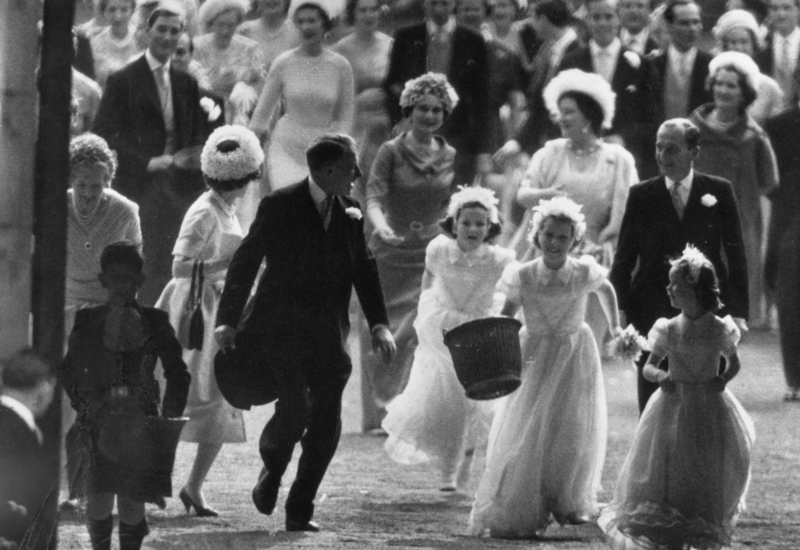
column 588, row 84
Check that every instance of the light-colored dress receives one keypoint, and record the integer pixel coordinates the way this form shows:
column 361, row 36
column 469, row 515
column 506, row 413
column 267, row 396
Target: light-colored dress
column 271, row 43
column 110, row 54
column 548, row 440
column 743, row 155
column 433, row 420
column 211, row 233
column 239, row 62
column 685, row 478
column 602, row 189
column 413, row 190
column 370, row 63
column 317, row 96
column 116, row 219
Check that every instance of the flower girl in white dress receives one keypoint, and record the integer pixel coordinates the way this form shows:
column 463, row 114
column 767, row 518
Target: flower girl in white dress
column 685, row 478
column 433, row 420
column 548, row 440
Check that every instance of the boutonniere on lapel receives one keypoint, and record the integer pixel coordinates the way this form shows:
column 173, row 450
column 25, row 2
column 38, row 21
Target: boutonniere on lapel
column 708, row 200
column 631, row 89
column 211, row 108
column 353, row 212
column 632, row 58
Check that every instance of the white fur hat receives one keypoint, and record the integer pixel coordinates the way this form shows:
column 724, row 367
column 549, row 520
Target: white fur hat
column 741, row 62
column 243, row 161
column 334, row 8
column 590, row 84
column 212, row 8
column 737, row 19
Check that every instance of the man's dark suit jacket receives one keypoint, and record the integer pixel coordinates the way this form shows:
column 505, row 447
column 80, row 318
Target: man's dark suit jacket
column 698, row 95
column 131, row 120
column 465, row 128
column 303, row 296
column 24, row 475
column 764, row 59
column 634, row 105
column 652, row 234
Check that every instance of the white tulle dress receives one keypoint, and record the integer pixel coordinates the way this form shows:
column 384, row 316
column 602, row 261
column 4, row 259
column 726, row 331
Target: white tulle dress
column 433, row 420
column 685, row 478
column 548, row 439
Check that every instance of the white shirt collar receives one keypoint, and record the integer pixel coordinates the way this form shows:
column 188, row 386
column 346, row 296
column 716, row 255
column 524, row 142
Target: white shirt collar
column 793, row 36
column 686, row 183
column 154, row 63
column 636, row 41
column 688, row 55
column 317, row 194
column 447, row 28
column 23, row 412
column 612, row 48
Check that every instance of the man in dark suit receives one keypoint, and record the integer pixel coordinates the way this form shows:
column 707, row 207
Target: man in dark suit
column 782, row 265
column 626, row 71
column 440, row 45
column 662, row 216
column 149, row 112
column 678, row 73
column 779, row 58
column 552, row 20
column 24, row 481
column 312, row 237
column 634, row 18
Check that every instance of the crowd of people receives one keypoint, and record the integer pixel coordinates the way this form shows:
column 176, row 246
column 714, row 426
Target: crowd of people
column 551, row 158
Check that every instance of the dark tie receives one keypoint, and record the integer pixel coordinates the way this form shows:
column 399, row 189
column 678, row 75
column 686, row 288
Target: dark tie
column 325, row 211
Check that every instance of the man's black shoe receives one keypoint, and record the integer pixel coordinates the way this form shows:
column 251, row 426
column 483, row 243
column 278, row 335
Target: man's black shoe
column 265, row 494
column 295, row 525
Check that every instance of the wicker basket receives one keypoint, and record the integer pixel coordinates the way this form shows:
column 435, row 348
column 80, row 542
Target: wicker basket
column 140, row 442
column 487, row 356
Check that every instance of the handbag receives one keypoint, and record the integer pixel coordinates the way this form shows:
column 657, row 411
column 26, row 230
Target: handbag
column 195, row 307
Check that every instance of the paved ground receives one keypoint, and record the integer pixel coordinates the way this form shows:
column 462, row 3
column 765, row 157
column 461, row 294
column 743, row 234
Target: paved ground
column 367, row 501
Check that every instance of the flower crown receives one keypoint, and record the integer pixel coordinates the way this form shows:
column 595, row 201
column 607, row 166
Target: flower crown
column 559, row 206
column 465, row 195
column 589, row 84
column 435, row 84
column 695, row 260
column 232, row 165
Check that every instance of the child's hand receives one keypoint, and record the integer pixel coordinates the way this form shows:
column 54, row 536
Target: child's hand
column 718, row 384
column 666, row 383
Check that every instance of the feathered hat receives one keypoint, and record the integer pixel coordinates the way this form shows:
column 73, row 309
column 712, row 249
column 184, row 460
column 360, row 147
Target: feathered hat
column 232, row 161
column 589, row 84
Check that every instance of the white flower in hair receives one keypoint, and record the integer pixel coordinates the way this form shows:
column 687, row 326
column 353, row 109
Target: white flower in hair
column 237, row 163
column 354, row 212
column 708, row 200
column 632, row 58
column 559, row 206
column 589, row 84
column 485, row 197
column 694, row 259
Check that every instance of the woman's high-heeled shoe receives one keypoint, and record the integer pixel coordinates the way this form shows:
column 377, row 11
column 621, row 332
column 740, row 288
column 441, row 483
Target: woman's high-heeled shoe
column 201, row 511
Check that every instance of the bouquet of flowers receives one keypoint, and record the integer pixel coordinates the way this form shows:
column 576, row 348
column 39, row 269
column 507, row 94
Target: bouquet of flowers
column 628, row 344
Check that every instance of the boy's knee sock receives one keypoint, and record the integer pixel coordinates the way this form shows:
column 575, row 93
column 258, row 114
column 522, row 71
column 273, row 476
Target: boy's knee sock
column 100, row 532
column 131, row 536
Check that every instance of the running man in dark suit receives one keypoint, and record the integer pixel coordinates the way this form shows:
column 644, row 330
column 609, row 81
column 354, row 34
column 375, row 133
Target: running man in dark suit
column 312, row 236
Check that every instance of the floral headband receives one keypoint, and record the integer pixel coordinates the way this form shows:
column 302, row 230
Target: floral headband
column 559, row 206
column 481, row 195
column 435, row 84
column 694, row 259
column 234, row 164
